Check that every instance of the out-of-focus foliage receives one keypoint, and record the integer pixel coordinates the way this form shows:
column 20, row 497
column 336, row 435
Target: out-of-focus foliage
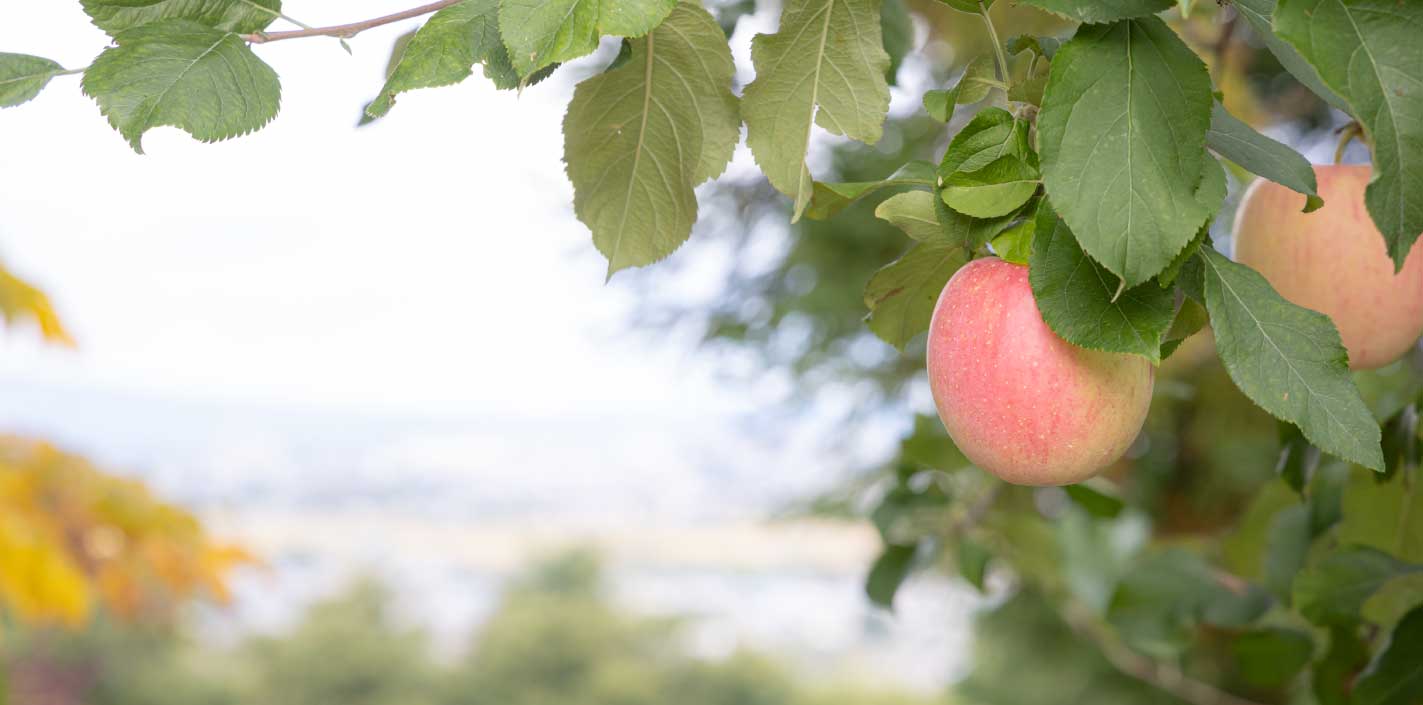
column 73, row 538
column 21, row 302
column 555, row 639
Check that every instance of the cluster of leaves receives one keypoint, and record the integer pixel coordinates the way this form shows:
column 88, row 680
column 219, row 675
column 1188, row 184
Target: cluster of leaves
column 73, row 537
column 1192, row 562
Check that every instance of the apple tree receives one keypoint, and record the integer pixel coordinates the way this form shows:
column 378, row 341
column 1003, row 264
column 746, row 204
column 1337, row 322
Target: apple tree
column 1254, row 536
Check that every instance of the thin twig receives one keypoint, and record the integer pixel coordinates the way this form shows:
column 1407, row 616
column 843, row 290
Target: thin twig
column 346, row 31
column 1164, row 676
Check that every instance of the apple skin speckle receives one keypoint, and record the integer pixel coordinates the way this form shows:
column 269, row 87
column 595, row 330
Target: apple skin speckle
column 1018, row 400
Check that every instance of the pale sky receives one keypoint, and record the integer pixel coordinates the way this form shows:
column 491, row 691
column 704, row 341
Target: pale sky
column 429, row 261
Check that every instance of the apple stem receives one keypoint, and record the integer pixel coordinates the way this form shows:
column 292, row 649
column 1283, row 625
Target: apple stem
column 1347, row 134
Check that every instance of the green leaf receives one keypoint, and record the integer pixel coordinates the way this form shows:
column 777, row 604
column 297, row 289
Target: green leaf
column 1384, row 515
column 1298, row 458
column 1122, row 133
column 977, row 81
column 204, row 81
column 901, row 296
column 1287, row 547
column 1259, row 14
column 969, row 6
column 444, row 51
column 1334, row 674
column 1082, row 302
column 831, row 198
column 1333, row 591
column 1288, row 360
column 1395, row 676
column 1261, row 155
column 241, row 16
column 22, row 77
column 999, row 188
column 973, row 562
column 639, row 138
column 1272, row 657
column 1028, row 71
column 1190, row 319
column 825, row 66
column 900, row 516
column 1101, row 10
column 1043, row 46
column 928, row 445
column 1099, row 500
column 940, row 103
column 542, row 32
column 1016, row 243
column 1368, row 52
column 898, row 29
column 888, row 573
column 991, row 135
column 912, row 212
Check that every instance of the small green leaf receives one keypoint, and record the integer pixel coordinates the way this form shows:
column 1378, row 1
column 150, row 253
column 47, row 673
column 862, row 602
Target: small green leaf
column 1122, row 133
column 825, row 66
column 1261, row 155
column 1368, row 52
column 1271, row 657
column 1395, row 676
column 1259, row 14
column 542, row 32
column 978, row 80
column 639, row 138
column 204, row 81
column 939, row 103
column 1385, row 515
column 888, row 573
column 1101, row 10
column 999, row 188
column 928, row 445
column 22, row 77
column 1288, row 360
column 901, row 296
column 969, row 6
column 1334, row 590
column 912, row 212
column 1028, row 71
column 898, row 29
column 1016, row 243
column 1043, row 46
column 1098, row 499
column 1083, row 302
column 1298, row 458
column 973, row 562
column 1190, row 319
column 831, row 198
column 444, row 51
column 992, row 134
column 241, row 16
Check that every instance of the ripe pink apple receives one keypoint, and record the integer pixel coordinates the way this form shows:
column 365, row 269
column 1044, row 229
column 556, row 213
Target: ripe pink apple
column 1018, row 400
column 1334, row 261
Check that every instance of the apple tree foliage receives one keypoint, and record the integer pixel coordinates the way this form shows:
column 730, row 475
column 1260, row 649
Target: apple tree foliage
column 1097, row 156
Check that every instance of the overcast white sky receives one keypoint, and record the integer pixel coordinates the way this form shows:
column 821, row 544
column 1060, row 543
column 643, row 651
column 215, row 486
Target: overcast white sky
column 430, row 261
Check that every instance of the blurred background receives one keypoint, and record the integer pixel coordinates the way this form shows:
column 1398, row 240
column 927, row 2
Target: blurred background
column 338, row 415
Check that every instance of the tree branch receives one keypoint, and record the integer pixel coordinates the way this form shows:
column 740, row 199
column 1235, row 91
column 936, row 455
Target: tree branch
column 347, row 31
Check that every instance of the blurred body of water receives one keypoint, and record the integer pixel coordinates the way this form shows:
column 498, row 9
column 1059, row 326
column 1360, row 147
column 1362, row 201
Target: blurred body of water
column 446, row 509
